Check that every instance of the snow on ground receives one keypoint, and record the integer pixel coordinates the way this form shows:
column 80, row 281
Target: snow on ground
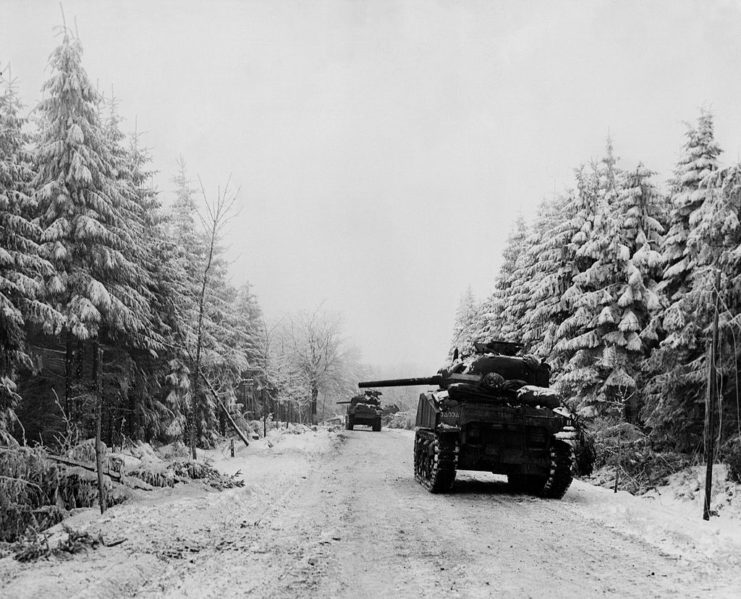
column 296, row 440
column 167, row 527
column 674, row 527
column 164, row 526
column 669, row 518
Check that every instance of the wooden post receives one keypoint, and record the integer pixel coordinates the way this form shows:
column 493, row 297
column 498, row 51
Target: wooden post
column 97, row 367
column 620, row 457
column 710, row 397
column 231, row 446
column 68, row 375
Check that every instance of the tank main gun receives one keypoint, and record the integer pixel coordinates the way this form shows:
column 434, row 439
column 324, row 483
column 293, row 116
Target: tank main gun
column 422, row 380
column 441, row 379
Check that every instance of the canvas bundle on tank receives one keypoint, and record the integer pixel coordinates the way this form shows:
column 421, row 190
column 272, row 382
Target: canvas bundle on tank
column 512, row 368
column 532, row 395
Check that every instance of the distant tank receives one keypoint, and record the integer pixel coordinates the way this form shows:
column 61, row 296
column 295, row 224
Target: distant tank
column 364, row 409
column 494, row 412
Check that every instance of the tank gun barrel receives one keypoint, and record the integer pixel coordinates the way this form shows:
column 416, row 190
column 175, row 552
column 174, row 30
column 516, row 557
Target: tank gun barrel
column 422, row 380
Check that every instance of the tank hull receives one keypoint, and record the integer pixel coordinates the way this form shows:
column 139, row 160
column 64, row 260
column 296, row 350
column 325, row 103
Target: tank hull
column 489, row 434
column 364, row 415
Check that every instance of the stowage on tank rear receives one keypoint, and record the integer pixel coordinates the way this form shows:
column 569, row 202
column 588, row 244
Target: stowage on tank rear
column 493, row 412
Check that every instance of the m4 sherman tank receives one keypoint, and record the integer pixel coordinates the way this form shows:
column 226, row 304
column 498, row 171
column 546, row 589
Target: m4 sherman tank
column 492, row 412
column 363, row 409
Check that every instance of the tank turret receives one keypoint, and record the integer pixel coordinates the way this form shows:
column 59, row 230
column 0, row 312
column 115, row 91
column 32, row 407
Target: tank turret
column 494, row 369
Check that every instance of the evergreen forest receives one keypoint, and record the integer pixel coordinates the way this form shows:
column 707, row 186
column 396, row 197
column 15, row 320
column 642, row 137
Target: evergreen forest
column 116, row 309
column 618, row 284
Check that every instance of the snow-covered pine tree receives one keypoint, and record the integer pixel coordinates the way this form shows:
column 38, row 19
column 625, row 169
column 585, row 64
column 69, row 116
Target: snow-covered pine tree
column 206, row 338
column 502, row 312
column 145, row 410
column 250, row 338
column 465, row 328
column 548, row 268
column 619, row 295
column 714, row 241
column 677, row 368
column 593, row 339
column 251, row 326
column 521, row 295
column 21, row 267
column 641, row 210
column 574, row 313
column 688, row 192
column 186, row 254
column 88, row 232
column 225, row 345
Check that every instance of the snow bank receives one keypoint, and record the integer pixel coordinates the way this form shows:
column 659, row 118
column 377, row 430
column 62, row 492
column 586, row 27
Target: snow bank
column 297, row 440
column 665, row 519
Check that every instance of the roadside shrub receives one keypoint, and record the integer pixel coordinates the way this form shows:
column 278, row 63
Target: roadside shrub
column 731, row 455
column 403, row 420
column 36, row 493
column 624, row 450
column 584, row 452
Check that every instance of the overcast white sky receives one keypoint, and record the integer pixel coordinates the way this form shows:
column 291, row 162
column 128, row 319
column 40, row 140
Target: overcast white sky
column 384, row 149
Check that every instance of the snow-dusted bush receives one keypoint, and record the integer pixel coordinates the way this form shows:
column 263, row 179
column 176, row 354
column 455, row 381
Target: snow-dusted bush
column 403, row 420
column 624, row 450
column 732, row 457
column 36, row 493
column 584, row 453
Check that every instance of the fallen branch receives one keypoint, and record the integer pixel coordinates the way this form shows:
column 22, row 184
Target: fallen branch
column 223, row 407
column 12, row 479
column 117, row 478
column 68, row 462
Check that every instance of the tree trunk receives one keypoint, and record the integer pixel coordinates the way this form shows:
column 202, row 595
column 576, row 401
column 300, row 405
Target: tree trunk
column 199, row 343
column 314, row 396
column 710, row 398
column 131, row 422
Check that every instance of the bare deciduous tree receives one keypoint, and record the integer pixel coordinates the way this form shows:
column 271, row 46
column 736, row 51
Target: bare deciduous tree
column 316, row 357
column 218, row 213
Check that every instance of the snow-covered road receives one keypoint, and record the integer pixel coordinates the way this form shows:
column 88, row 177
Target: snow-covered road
column 349, row 521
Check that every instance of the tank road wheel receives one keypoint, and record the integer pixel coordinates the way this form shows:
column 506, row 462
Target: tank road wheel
column 377, row 425
column 435, row 461
column 560, row 476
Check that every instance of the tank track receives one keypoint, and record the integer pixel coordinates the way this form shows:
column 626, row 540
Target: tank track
column 560, row 475
column 435, row 461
